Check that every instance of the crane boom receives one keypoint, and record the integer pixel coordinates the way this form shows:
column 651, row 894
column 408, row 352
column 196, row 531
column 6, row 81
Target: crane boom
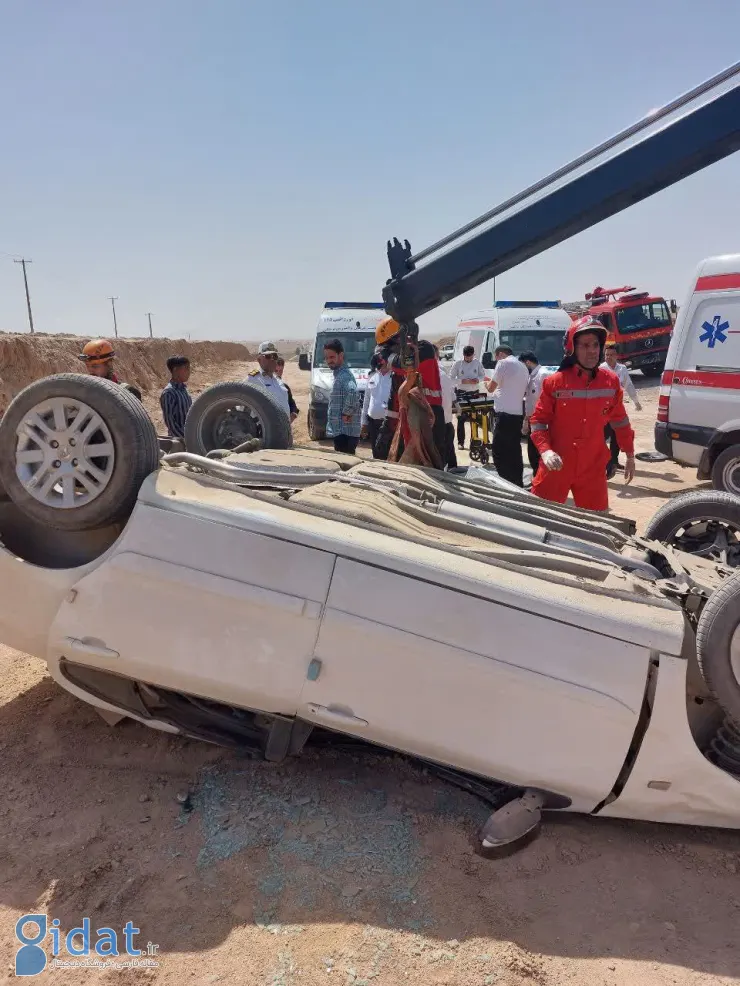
column 684, row 145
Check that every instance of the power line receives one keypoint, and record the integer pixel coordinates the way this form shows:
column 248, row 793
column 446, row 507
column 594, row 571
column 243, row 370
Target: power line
column 113, row 301
column 23, row 263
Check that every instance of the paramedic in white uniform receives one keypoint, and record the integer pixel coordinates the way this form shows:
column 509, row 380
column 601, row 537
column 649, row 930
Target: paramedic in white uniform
column 612, row 363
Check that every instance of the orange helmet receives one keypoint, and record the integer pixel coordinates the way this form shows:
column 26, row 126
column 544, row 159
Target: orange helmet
column 386, row 330
column 97, row 351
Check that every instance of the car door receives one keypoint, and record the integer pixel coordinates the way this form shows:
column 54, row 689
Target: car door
column 203, row 608
column 459, row 679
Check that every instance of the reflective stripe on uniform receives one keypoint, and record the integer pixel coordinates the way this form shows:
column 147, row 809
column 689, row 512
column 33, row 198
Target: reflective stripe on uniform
column 564, row 394
column 432, row 393
column 538, row 428
column 624, row 423
column 391, row 414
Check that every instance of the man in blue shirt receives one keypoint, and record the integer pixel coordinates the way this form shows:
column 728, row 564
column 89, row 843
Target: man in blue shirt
column 175, row 400
column 345, row 406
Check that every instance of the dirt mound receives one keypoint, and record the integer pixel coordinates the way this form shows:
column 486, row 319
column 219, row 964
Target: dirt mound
column 24, row 359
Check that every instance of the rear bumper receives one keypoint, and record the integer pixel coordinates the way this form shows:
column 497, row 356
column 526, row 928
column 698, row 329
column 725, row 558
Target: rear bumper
column 663, row 443
column 651, row 358
column 668, row 436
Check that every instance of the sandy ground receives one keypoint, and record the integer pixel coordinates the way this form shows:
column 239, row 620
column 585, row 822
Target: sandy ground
column 338, row 868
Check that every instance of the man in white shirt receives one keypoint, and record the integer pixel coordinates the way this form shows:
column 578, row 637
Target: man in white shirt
column 467, row 374
column 375, row 403
column 267, row 379
column 612, row 363
column 537, row 374
column 509, row 385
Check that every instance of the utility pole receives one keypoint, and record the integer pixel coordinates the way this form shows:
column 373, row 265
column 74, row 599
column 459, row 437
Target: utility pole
column 149, row 316
column 494, row 292
column 23, row 263
column 113, row 306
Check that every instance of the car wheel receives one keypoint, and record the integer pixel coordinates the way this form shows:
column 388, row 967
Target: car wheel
column 74, row 451
column 700, row 523
column 315, row 433
column 718, row 646
column 228, row 414
column 653, row 371
column 726, row 470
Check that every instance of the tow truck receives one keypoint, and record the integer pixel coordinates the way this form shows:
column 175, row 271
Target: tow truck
column 639, row 323
column 291, row 597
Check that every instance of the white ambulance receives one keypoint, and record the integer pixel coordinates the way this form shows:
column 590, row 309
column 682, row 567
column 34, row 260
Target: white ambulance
column 353, row 323
column 699, row 405
column 525, row 326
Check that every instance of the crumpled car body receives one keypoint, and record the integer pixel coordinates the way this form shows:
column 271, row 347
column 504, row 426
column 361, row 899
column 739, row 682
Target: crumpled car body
column 262, row 599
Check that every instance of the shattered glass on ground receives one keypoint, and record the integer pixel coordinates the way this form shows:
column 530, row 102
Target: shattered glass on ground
column 325, row 827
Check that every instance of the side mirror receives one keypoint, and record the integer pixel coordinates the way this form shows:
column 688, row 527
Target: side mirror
column 488, row 361
column 304, row 361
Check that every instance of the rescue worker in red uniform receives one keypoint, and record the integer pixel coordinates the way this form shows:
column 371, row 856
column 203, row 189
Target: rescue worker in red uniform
column 386, row 337
column 567, row 426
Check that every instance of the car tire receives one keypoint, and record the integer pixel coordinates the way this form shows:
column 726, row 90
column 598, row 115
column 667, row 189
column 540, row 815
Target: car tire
column 315, row 433
column 213, row 421
column 3, row 492
column 705, row 523
column 92, row 483
column 656, row 370
column 718, row 647
column 726, row 470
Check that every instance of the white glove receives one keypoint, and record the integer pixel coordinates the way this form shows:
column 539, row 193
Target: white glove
column 552, row 460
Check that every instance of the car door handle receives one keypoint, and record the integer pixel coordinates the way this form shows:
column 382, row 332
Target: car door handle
column 335, row 715
column 90, row 650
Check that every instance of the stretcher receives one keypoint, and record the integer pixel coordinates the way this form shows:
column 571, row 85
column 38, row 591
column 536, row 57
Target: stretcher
column 477, row 408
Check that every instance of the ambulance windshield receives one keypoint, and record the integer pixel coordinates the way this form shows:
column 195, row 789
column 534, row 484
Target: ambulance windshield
column 547, row 346
column 358, row 348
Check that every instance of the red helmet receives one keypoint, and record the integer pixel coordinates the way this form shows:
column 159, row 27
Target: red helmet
column 585, row 324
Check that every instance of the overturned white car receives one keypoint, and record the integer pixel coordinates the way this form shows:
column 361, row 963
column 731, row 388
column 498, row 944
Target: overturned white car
column 537, row 655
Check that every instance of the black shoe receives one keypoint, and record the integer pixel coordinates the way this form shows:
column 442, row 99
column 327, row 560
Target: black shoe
column 610, row 471
column 461, row 447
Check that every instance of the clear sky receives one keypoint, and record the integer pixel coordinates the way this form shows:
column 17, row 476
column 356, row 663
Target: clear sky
column 230, row 165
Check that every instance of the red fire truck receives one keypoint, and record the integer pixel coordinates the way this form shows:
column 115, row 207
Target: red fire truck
column 640, row 323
